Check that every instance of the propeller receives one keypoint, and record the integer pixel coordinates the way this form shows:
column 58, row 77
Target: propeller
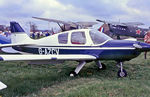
column 137, row 46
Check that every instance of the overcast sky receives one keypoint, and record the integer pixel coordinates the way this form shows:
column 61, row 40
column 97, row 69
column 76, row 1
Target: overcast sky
column 75, row 10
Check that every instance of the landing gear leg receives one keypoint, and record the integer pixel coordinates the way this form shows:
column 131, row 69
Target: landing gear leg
column 100, row 65
column 78, row 68
column 122, row 72
column 118, row 37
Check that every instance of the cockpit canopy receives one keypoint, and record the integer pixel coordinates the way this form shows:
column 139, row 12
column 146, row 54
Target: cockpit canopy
column 83, row 37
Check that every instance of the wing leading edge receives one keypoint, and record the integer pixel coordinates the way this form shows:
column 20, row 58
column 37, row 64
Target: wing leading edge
column 17, row 57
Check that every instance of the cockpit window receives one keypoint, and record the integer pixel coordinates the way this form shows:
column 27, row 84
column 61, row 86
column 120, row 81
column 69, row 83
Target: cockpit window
column 78, row 38
column 63, row 38
column 98, row 37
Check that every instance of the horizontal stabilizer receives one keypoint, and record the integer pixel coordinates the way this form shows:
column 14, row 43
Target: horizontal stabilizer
column 9, row 50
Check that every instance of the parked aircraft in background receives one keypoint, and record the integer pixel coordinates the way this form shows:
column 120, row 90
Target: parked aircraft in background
column 69, row 25
column 82, row 45
column 4, row 39
column 123, row 29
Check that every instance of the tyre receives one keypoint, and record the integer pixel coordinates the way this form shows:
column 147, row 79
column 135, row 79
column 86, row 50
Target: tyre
column 122, row 74
column 72, row 74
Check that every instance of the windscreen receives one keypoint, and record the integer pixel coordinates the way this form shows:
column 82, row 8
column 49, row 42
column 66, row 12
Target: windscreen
column 98, row 37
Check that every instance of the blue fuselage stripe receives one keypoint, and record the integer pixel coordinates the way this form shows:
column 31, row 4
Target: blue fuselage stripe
column 120, row 54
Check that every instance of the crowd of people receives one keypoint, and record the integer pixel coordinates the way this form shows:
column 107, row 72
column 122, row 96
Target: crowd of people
column 37, row 35
column 5, row 33
column 34, row 35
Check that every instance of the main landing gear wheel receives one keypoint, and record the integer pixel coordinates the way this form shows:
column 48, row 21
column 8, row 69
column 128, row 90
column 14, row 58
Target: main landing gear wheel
column 122, row 73
column 78, row 68
column 73, row 74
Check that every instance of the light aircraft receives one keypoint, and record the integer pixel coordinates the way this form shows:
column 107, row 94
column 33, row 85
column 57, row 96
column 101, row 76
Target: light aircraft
column 82, row 45
column 68, row 25
column 123, row 29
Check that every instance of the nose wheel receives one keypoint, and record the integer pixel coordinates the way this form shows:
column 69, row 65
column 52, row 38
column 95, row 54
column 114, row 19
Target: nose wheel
column 122, row 72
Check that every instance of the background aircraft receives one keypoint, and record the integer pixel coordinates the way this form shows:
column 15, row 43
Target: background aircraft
column 123, row 29
column 82, row 45
column 69, row 25
column 4, row 39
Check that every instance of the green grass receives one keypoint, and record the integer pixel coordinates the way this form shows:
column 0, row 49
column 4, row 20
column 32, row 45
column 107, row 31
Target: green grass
column 54, row 81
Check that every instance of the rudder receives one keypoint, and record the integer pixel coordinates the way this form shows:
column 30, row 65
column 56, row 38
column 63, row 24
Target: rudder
column 15, row 27
column 17, row 33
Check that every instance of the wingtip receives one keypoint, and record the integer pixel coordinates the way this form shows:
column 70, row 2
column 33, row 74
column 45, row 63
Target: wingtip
column 2, row 86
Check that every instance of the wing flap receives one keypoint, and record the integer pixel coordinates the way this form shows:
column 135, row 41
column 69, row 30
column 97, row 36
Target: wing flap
column 45, row 57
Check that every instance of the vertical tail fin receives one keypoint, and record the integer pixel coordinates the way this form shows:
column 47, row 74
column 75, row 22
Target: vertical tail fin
column 18, row 34
column 15, row 27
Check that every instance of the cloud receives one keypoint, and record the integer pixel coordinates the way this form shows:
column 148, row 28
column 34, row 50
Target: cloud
column 114, row 10
column 42, row 8
column 98, row 8
column 1, row 2
column 76, row 10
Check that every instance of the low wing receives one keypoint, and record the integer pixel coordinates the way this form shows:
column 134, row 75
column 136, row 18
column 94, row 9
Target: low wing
column 17, row 57
column 9, row 50
column 16, row 44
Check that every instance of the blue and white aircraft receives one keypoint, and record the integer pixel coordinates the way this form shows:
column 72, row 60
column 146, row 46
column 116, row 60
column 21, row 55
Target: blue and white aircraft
column 82, row 45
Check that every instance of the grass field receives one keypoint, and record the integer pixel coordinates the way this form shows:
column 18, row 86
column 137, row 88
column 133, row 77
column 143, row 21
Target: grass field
column 54, row 81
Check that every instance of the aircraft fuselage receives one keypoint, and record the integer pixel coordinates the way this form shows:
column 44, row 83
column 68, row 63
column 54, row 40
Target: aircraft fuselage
column 119, row 50
column 135, row 32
